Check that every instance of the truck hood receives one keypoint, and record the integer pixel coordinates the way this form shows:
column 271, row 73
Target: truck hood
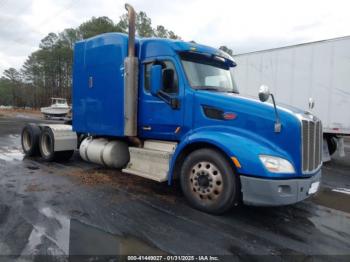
column 229, row 101
column 280, row 106
column 254, row 119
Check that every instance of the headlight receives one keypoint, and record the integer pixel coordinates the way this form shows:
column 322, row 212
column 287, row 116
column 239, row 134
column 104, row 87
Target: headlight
column 276, row 164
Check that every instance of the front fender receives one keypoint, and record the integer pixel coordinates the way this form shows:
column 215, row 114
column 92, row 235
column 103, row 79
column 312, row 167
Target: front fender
column 244, row 145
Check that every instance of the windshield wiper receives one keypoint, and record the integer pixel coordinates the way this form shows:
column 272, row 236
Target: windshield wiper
column 231, row 91
column 209, row 88
column 215, row 88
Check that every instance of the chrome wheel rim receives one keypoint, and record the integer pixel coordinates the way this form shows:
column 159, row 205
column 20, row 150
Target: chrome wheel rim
column 27, row 142
column 206, row 181
column 46, row 144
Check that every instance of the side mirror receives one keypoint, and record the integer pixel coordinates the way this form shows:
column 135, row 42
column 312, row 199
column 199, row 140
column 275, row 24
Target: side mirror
column 156, row 79
column 264, row 93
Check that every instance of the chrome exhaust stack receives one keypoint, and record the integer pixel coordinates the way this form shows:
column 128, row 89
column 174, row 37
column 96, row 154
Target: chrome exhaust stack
column 132, row 27
column 130, row 79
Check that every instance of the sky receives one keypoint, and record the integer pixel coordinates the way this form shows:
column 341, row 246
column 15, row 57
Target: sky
column 244, row 26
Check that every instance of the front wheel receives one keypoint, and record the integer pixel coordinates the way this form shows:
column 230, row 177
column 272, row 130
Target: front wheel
column 209, row 182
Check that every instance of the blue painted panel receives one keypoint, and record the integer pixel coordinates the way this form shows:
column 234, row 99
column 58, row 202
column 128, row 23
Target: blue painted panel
column 256, row 120
column 155, row 47
column 235, row 143
column 98, row 105
column 247, row 136
column 99, row 109
column 156, row 113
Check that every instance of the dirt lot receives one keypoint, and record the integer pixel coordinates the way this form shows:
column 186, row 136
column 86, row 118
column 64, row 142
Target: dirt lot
column 77, row 208
column 22, row 113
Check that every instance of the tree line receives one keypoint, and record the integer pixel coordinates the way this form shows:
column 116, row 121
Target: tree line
column 47, row 72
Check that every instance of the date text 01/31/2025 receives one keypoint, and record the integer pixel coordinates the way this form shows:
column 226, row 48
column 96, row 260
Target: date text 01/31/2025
column 173, row 258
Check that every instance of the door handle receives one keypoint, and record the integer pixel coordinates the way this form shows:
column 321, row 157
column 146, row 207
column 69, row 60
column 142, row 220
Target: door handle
column 147, row 128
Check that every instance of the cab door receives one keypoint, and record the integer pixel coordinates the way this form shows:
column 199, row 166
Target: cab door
column 160, row 118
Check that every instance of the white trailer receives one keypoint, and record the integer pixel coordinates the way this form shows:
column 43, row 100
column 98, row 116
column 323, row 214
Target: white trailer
column 318, row 70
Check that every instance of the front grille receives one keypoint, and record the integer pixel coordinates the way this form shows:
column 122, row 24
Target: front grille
column 311, row 145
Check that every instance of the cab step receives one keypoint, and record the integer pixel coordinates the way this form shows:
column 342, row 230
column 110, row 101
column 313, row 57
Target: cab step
column 160, row 145
column 151, row 161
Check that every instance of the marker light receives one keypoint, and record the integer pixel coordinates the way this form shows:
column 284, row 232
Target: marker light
column 276, row 164
column 229, row 115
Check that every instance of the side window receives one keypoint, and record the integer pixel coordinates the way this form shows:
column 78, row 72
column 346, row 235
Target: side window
column 147, row 75
column 170, row 88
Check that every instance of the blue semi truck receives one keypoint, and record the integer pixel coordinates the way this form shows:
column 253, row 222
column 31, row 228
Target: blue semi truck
column 167, row 109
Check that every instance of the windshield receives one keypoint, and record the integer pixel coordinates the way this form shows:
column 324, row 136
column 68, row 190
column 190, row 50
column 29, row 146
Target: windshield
column 208, row 73
column 58, row 101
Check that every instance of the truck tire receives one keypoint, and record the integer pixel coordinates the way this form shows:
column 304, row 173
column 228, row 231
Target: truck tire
column 30, row 139
column 46, row 147
column 209, row 182
column 332, row 144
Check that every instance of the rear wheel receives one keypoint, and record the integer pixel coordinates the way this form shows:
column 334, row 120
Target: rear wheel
column 30, row 139
column 209, row 182
column 332, row 144
column 46, row 147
